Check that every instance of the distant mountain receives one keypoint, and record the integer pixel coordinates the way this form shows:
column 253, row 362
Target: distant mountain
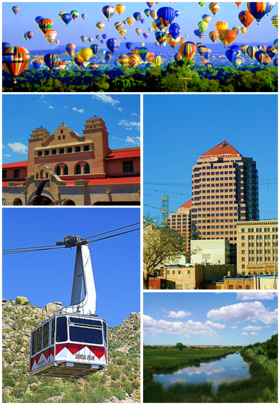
column 121, row 382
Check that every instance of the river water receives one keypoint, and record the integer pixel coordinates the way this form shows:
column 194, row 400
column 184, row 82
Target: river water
column 230, row 368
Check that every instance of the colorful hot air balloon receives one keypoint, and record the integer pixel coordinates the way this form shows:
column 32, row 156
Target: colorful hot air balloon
column 202, row 26
column 119, row 8
column 147, row 12
column 66, row 18
column 95, row 49
column 90, row 40
column 213, row 35
column 108, row 11
column 123, row 60
column 177, row 57
column 232, row 53
column 177, row 13
column 221, row 26
column 70, row 49
column 15, row 60
column 171, row 41
column 37, row 19
column 275, row 43
column 38, row 64
column 243, row 30
column 134, row 60
column 79, row 61
column 5, row 45
column 138, row 31
column 107, row 56
column 28, row 35
column 230, row 36
column 157, row 61
column 145, row 35
column 100, row 25
column 237, row 29
column 83, row 38
column 129, row 45
column 50, row 35
column 98, row 37
column 45, row 24
column 199, row 34
column 137, row 16
column 160, row 37
column 83, row 16
column 74, row 14
column 51, row 60
column 15, row 9
column 246, row 18
column 260, row 56
column 274, row 21
column 174, row 30
column 143, row 52
column 251, row 51
column 238, row 61
column 202, row 4
column 243, row 48
column 57, row 42
column 150, row 4
column 258, row 9
column 187, row 50
column 275, row 62
column 166, row 15
column 238, row 4
column 85, row 53
column 112, row 44
column 206, row 18
column 214, row 8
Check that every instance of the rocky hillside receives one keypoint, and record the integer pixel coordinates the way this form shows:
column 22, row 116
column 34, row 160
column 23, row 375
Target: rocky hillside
column 121, row 382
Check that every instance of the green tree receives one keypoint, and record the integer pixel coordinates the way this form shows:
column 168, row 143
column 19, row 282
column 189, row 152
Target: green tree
column 180, row 346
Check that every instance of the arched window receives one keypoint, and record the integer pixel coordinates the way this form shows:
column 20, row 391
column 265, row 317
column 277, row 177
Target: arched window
column 78, row 169
column 37, row 176
column 69, row 202
column 17, row 201
column 57, row 170
column 87, row 169
column 65, row 170
column 41, row 174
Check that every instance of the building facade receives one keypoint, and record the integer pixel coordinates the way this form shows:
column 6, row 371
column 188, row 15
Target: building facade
column 257, row 247
column 79, row 170
column 180, row 221
column 210, row 251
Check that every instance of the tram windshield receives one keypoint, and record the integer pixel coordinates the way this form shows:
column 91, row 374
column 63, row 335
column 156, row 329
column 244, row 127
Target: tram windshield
column 86, row 335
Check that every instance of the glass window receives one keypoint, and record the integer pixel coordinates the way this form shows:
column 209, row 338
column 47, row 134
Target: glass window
column 16, row 173
column 105, row 333
column 86, row 335
column 57, row 171
column 78, row 169
column 69, row 150
column 46, row 335
column 53, row 151
column 86, row 148
column 128, row 167
column 53, row 330
column 61, row 151
column 33, row 342
column 65, row 170
column 87, row 169
column 77, row 149
column 39, row 339
column 61, row 329
column 4, row 174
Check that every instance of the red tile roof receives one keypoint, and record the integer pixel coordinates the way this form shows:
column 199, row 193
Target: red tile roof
column 222, row 149
column 124, row 153
column 16, row 164
column 188, row 204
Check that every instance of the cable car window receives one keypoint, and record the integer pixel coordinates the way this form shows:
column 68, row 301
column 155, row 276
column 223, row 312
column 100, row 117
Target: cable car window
column 39, row 339
column 105, row 333
column 46, row 335
column 33, row 343
column 85, row 335
column 61, row 329
column 85, row 321
column 53, row 329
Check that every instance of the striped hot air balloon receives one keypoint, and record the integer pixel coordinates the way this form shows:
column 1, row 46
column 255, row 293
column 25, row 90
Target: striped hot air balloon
column 187, row 50
column 15, row 60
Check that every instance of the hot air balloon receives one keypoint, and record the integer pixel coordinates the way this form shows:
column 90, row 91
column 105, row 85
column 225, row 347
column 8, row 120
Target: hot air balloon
column 213, row 35
column 15, row 9
column 171, row 41
column 108, row 12
column 275, row 43
column 83, row 16
column 90, row 40
column 45, row 24
column 206, row 18
column 232, row 53
column 15, row 60
column 51, row 60
column 85, row 53
column 238, row 4
column 275, row 62
column 274, row 21
column 38, row 64
column 74, row 14
column 37, row 19
column 70, row 49
column 57, row 42
column 118, row 25
column 145, row 35
column 147, row 12
column 107, row 56
column 160, row 37
column 150, row 4
column 142, row 21
column 112, row 44
column 123, row 60
column 138, row 31
column 28, row 35
column 79, row 61
column 202, row 26
column 214, row 8
column 199, row 34
column 122, row 33
column 243, row 48
column 221, row 26
column 258, row 9
column 166, row 15
column 129, row 45
column 262, row 48
column 100, row 25
column 154, row 14
column 95, row 49
column 187, row 50
column 202, row 4
column 157, row 61
column 177, row 57
column 246, row 18
column 267, row 60
column 50, row 35
column 98, row 37
column 150, row 57
column 119, row 8
column 129, row 21
column 157, row 25
column 137, row 16
column 83, row 38
column 251, row 51
column 66, row 18
column 143, row 52
column 260, row 56
column 174, row 30
column 243, row 30
column 134, row 60
column 237, row 29
column 5, row 45
column 271, row 51
column 230, row 36
column 177, row 13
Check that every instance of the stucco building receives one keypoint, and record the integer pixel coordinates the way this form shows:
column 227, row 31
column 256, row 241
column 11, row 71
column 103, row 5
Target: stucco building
column 79, row 170
column 257, row 247
column 215, row 251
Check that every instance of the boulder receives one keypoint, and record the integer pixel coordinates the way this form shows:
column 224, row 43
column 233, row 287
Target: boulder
column 7, row 390
column 22, row 300
column 57, row 302
column 4, row 300
column 50, row 308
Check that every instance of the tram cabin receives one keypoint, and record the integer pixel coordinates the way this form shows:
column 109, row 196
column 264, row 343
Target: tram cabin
column 69, row 345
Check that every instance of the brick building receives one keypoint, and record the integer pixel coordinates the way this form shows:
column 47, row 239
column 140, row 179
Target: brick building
column 80, row 170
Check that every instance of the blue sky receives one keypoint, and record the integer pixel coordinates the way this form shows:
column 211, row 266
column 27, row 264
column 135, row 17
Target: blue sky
column 121, row 114
column 46, row 276
column 180, row 128
column 209, row 318
column 14, row 26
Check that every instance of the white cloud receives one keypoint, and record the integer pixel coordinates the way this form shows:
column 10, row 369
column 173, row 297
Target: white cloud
column 50, row 107
column 106, row 99
column 120, row 109
column 252, row 328
column 81, row 111
column 65, row 107
column 179, row 314
column 126, row 123
column 182, row 328
column 3, row 146
column 233, row 327
column 133, row 140
column 187, row 335
column 253, row 333
column 8, row 155
column 136, row 115
column 18, row 147
column 244, row 311
column 129, row 129
column 244, row 333
column 261, row 295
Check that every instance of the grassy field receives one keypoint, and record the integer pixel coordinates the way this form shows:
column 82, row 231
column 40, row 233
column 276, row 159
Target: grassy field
column 261, row 387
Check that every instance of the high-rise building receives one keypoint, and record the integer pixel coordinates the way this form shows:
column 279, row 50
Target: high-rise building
column 224, row 191
column 181, row 221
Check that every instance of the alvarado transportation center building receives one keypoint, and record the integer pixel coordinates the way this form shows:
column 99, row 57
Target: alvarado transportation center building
column 79, row 170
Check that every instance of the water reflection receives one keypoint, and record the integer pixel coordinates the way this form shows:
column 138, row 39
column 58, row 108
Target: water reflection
column 230, row 368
